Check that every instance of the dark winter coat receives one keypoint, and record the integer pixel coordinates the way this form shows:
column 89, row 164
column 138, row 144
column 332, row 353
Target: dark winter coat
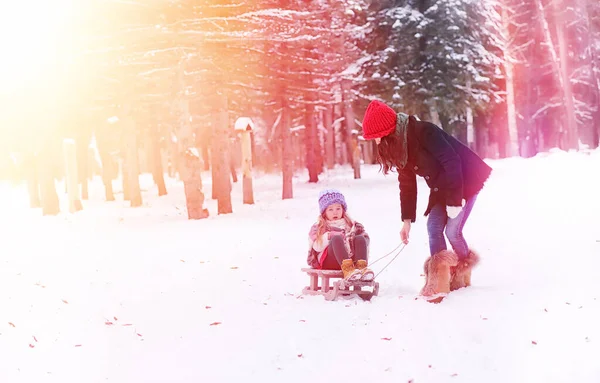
column 452, row 171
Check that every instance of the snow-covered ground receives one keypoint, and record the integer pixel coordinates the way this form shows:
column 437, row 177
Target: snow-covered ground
column 114, row 294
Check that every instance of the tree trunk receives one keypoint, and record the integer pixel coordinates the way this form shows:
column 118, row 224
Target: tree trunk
column 203, row 143
column 85, row 189
column 158, row 174
column 83, row 171
column 214, row 171
column 71, row 177
column 480, row 124
column 529, row 133
column 469, row 117
column 287, row 152
column 595, row 36
column 253, row 147
column 190, row 168
column 352, row 137
column 312, row 163
column 559, row 70
column 108, row 165
column 589, row 39
column 502, row 140
column 434, row 116
column 320, row 138
column 513, row 134
column 46, row 172
column 231, row 163
column 348, row 138
column 571, row 121
column 33, row 186
column 248, row 192
column 368, row 152
column 330, row 138
column 108, row 168
column 125, row 178
column 188, row 158
column 221, row 184
column 108, row 189
column 341, row 140
column 50, row 203
column 356, row 158
column 205, row 156
column 192, row 184
column 131, row 165
column 107, row 176
column 174, row 155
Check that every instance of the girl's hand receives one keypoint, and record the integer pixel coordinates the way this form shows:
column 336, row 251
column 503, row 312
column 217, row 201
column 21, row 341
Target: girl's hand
column 405, row 232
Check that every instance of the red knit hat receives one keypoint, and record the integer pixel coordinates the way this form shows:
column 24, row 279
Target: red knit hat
column 379, row 121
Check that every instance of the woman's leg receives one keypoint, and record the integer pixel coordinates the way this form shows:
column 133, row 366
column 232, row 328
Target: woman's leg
column 467, row 258
column 439, row 265
column 454, row 229
column 435, row 229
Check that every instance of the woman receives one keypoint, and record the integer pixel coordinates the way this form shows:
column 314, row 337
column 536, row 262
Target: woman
column 455, row 175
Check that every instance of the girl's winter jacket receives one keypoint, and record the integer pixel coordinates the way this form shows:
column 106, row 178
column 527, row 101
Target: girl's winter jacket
column 317, row 250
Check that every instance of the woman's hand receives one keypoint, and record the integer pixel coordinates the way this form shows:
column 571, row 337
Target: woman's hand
column 405, row 232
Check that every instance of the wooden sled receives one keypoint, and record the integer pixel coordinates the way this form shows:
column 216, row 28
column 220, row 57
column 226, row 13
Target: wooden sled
column 339, row 287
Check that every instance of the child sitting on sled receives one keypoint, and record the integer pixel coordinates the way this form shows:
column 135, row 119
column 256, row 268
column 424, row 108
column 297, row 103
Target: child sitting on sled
column 336, row 242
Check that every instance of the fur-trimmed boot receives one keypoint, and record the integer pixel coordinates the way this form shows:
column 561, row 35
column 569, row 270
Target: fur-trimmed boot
column 437, row 275
column 367, row 274
column 350, row 272
column 461, row 274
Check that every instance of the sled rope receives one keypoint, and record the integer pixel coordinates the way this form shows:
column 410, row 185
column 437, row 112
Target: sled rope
column 401, row 247
column 387, row 255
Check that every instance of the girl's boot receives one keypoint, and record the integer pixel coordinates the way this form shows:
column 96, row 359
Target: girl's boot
column 438, row 275
column 367, row 275
column 461, row 274
column 349, row 271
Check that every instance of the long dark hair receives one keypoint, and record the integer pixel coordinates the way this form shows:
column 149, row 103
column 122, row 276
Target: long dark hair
column 389, row 152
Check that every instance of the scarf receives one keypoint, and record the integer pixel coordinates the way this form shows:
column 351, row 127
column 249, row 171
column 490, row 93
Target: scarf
column 402, row 132
column 349, row 231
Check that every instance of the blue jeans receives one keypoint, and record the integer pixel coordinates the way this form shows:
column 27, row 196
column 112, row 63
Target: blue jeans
column 438, row 221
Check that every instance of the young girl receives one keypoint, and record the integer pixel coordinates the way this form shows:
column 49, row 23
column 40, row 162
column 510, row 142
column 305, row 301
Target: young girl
column 336, row 242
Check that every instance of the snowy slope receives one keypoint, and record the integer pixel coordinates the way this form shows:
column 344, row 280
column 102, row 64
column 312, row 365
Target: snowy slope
column 114, row 294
